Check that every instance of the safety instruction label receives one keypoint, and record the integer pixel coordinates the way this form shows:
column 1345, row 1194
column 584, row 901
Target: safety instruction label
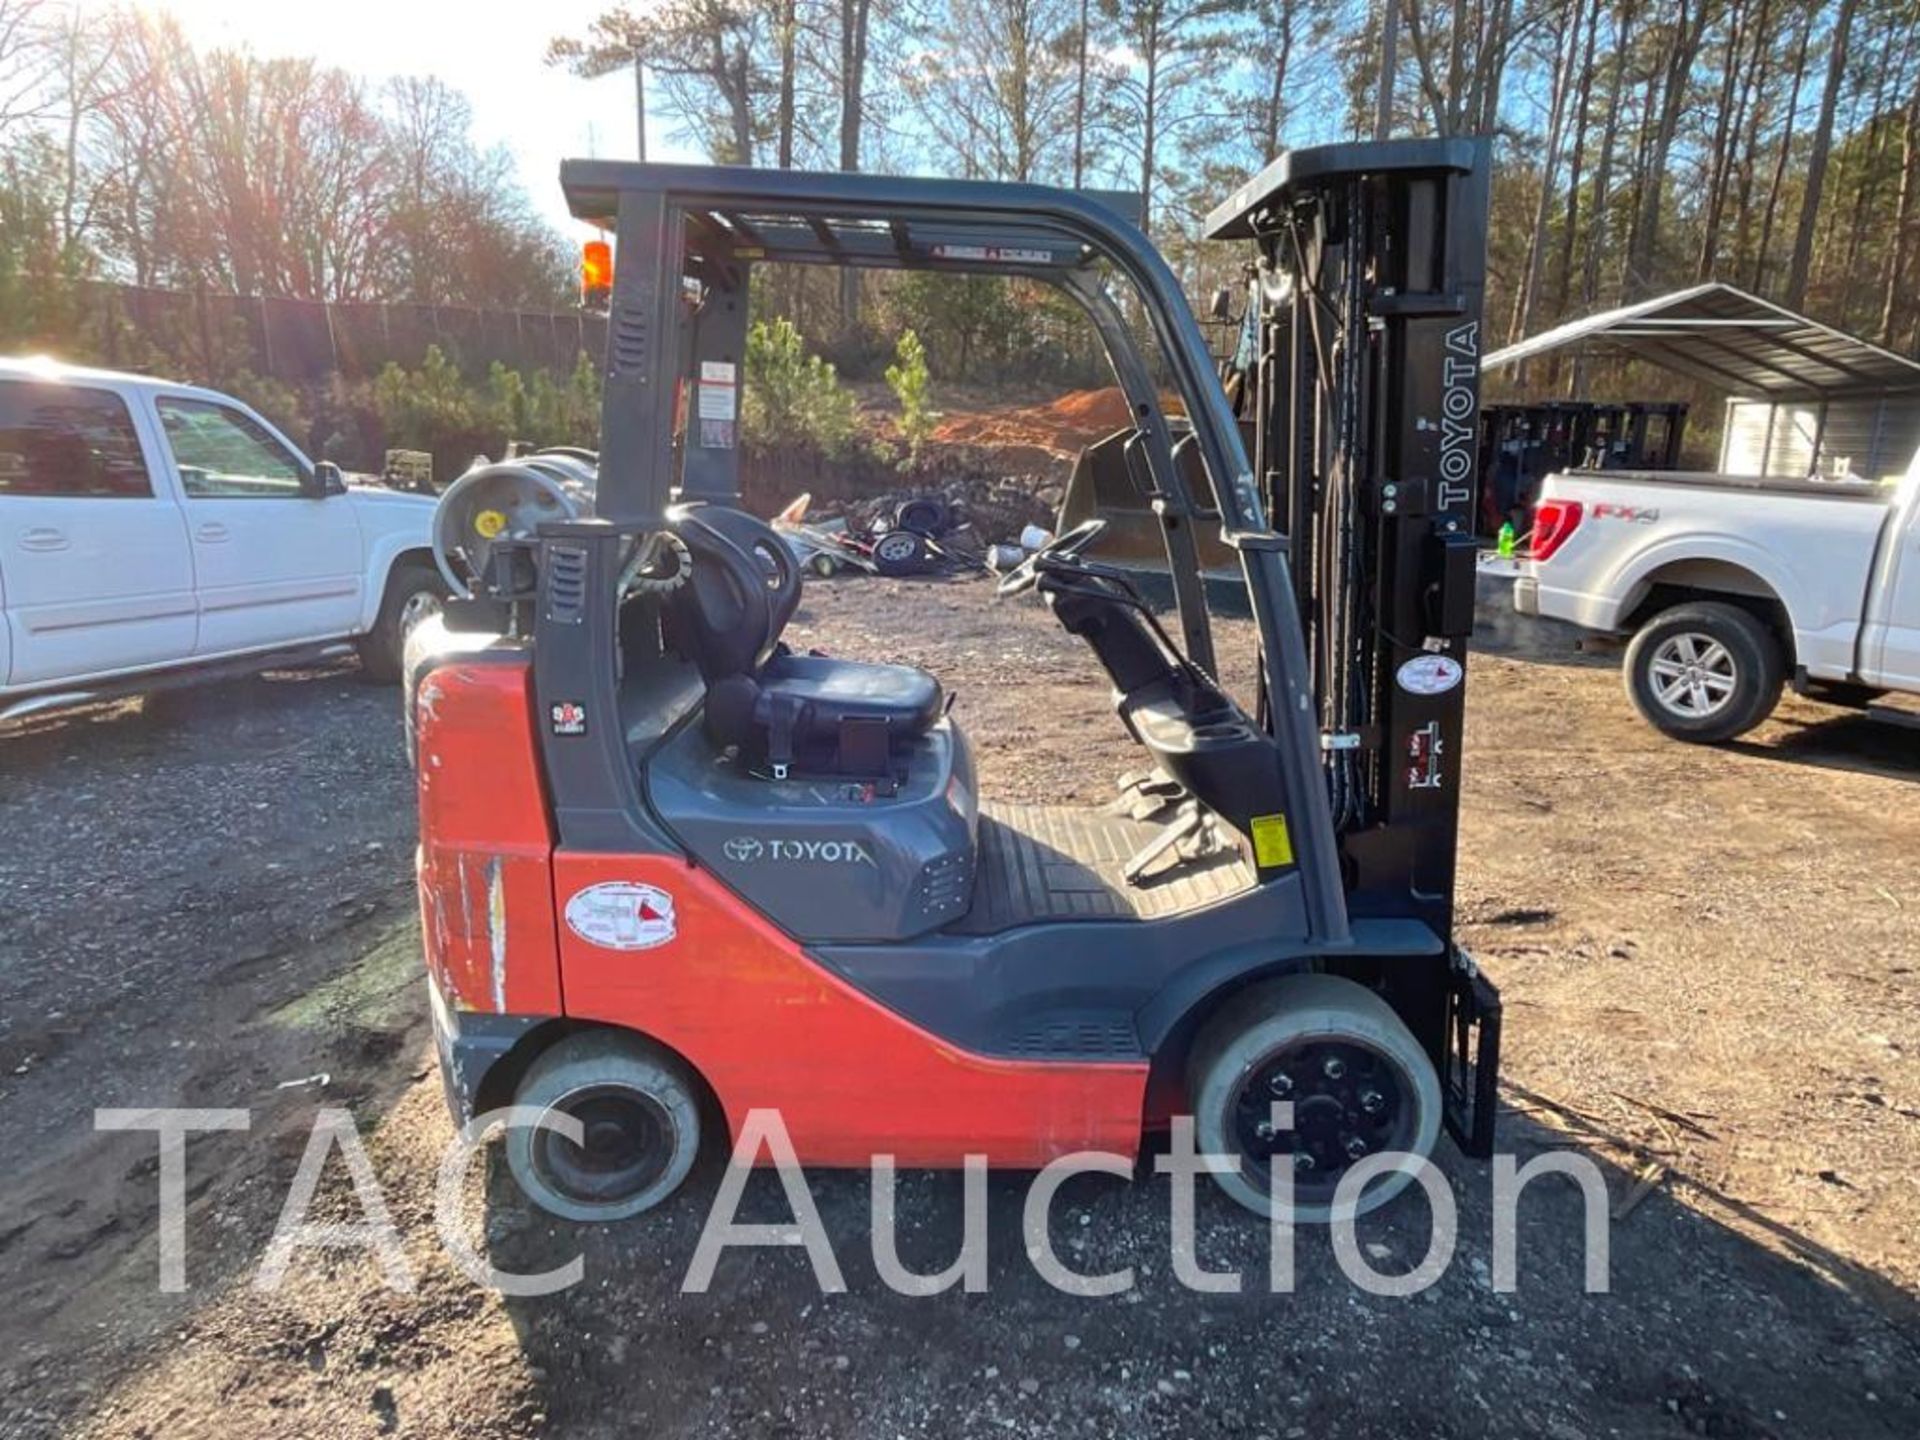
column 719, row 390
column 1272, row 845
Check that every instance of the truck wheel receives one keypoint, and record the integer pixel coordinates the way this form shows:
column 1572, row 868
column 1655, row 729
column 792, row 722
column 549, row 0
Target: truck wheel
column 1358, row 1081
column 415, row 591
column 1704, row 672
column 641, row 1117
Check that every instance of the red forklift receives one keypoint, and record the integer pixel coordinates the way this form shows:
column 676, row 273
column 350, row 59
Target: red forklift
column 672, row 870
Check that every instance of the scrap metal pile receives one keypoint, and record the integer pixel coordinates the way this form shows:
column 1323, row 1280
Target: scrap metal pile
column 921, row 533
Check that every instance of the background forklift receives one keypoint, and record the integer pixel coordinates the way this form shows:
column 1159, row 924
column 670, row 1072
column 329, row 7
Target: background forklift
column 671, row 870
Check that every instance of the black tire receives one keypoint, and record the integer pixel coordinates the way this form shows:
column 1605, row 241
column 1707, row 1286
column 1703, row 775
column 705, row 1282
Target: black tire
column 1704, row 672
column 928, row 515
column 1385, row 1095
column 415, row 588
column 641, row 1112
column 900, row 552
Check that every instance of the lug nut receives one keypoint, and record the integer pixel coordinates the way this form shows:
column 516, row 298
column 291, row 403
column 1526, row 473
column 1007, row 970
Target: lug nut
column 1333, row 1067
column 1264, row 1130
column 1373, row 1102
column 1281, row 1083
column 1356, row 1147
column 1302, row 1160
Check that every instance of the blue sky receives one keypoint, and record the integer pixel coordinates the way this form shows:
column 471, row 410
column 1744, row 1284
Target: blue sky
column 491, row 52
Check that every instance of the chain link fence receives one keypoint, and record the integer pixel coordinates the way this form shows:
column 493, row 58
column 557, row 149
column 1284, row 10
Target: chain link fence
column 300, row 342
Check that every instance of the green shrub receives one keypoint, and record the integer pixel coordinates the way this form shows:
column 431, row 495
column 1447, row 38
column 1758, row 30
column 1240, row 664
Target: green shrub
column 508, row 403
column 793, row 397
column 278, row 402
column 907, row 378
column 433, row 408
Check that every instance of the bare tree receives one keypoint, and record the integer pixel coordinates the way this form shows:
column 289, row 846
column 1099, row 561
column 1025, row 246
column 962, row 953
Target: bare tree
column 994, row 85
column 1896, row 267
column 1796, row 291
column 1173, row 46
column 706, row 54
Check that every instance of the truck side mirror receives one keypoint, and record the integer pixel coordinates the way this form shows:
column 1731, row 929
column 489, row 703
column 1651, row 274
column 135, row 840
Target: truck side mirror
column 1222, row 304
column 325, row 480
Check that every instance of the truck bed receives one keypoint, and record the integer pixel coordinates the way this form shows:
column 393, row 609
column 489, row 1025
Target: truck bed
column 1871, row 492
column 1810, row 545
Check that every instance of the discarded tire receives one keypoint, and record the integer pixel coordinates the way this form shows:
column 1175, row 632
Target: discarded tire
column 928, row 515
column 900, row 552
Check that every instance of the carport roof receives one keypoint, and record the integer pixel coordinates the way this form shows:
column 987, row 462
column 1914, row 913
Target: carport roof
column 1733, row 341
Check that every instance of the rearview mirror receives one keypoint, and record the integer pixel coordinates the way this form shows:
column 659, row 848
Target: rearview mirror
column 325, row 480
column 1222, row 306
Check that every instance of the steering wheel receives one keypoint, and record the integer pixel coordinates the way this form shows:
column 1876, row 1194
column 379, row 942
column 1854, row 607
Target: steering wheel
column 1063, row 552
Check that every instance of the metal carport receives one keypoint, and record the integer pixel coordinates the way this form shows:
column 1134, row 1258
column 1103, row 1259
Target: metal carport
column 1801, row 395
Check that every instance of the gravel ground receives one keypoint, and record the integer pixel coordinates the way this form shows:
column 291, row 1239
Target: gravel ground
column 1709, row 963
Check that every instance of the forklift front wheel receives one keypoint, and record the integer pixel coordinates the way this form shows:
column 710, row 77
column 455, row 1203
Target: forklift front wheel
column 1358, row 1082
column 641, row 1118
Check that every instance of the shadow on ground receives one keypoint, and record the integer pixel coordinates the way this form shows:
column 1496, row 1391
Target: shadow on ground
column 1706, row 1330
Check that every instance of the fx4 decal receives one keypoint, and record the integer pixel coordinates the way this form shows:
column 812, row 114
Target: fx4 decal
column 1638, row 514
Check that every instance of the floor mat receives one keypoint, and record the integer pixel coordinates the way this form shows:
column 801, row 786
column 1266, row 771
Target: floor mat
column 1062, row 862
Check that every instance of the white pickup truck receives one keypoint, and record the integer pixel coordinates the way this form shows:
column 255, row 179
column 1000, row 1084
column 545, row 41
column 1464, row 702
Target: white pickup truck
column 1730, row 586
column 151, row 532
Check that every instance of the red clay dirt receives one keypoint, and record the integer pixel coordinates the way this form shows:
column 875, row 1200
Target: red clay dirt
column 1053, row 431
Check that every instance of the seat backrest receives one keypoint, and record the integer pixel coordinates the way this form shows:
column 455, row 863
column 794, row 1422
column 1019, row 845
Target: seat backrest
column 742, row 591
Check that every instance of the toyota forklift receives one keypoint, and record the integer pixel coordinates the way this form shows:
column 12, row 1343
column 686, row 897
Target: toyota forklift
column 673, row 870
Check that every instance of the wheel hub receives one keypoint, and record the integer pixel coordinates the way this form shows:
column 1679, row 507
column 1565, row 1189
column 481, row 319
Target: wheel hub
column 1692, row 674
column 1349, row 1102
column 627, row 1142
column 421, row 605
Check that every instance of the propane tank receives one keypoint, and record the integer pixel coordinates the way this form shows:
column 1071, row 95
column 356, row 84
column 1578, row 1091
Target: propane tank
column 487, row 522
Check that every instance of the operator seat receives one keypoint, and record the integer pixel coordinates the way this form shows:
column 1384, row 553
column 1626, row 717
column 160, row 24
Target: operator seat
column 810, row 713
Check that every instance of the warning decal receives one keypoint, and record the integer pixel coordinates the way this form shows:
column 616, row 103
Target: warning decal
column 622, row 915
column 1272, row 845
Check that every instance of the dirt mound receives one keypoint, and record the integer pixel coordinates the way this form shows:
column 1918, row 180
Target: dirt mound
column 1058, row 428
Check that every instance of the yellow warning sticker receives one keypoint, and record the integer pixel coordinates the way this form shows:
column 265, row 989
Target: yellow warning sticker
column 489, row 523
column 1272, row 845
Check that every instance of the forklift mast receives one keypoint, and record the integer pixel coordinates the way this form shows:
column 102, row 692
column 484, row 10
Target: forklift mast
column 1363, row 340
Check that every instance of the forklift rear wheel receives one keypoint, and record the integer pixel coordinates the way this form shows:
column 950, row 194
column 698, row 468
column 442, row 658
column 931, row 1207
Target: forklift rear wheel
column 1358, row 1081
column 641, row 1119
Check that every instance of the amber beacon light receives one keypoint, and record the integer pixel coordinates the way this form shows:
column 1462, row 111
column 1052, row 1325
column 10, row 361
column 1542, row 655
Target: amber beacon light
column 596, row 273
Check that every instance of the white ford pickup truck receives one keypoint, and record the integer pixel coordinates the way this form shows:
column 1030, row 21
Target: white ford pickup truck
column 1731, row 586
column 151, row 532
